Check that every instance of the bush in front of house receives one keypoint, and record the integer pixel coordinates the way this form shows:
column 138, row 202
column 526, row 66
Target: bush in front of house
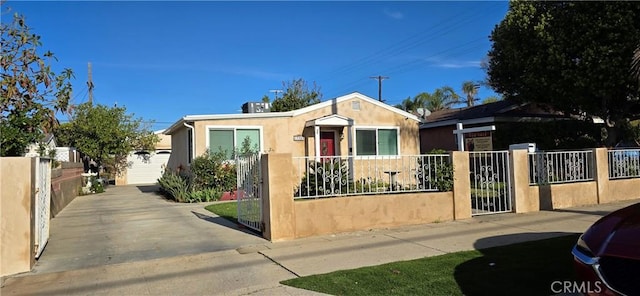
column 176, row 185
column 435, row 174
column 213, row 170
column 324, row 178
column 210, row 176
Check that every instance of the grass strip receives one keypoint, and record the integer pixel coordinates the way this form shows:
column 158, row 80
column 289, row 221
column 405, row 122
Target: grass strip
column 520, row 269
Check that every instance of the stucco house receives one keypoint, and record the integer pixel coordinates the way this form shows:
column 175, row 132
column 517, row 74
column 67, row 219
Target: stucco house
column 351, row 125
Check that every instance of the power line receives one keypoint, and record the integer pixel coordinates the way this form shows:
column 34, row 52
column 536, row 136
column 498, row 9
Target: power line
column 407, row 44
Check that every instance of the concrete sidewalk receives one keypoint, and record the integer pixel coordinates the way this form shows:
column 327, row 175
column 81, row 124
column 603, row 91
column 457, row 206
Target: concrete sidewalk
column 257, row 269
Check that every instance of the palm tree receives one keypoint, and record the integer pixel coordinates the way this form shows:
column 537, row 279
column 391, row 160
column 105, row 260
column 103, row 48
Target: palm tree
column 441, row 99
column 470, row 88
column 407, row 105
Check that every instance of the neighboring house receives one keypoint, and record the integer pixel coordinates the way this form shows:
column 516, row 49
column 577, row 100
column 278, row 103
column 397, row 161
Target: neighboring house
column 514, row 123
column 145, row 167
column 48, row 143
column 350, row 125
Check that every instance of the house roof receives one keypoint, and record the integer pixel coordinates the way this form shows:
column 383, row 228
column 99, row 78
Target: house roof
column 487, row 113
column 327, row 103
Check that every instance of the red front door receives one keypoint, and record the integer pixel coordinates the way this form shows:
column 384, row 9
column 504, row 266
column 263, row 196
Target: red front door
column 327, row 144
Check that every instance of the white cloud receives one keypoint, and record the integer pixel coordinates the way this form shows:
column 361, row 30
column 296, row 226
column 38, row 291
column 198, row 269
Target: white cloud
column 452, row 64
column 465, row 64
column 394, row 14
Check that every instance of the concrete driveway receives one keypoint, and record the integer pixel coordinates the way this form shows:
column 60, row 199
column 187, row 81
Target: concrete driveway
column 133, row 223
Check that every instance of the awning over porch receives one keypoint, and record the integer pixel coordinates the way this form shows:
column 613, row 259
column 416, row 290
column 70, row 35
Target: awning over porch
column 330, row 120
column 333, row 120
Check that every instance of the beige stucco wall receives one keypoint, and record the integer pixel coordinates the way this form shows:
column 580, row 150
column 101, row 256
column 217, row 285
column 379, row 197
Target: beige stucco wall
column 622, row 190
column 16, row 221
column 523, row 200
column 343, row 214
column 286, row 218
column 461, row 185
column 278, row 211
column 179, row 149
column 165, row 142
column 278, row 132
column 560, row 196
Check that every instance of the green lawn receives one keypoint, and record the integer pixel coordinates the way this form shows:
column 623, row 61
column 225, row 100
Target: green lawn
column 520, row 269
column 227, row 210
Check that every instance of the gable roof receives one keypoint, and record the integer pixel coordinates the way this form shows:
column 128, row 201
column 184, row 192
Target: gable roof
column 297, row 112
column 488, row 112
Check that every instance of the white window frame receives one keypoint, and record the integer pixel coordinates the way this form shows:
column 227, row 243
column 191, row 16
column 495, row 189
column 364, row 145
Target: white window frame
column 376, row 128
column 208, row 128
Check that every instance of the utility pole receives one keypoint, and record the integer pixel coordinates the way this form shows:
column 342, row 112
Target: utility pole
column 379, row 78
column 90, row 85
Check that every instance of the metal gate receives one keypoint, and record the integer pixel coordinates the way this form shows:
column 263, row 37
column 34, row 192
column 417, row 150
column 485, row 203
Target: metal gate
column 249, row 195
column 490, row 174
column 43, row 203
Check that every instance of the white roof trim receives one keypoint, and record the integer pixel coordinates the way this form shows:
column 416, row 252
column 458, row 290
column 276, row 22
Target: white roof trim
column 237, row 116
column 331, row 120
column 354, row 95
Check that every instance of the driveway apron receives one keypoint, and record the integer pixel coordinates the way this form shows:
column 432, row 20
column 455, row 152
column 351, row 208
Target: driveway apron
column 133, row 223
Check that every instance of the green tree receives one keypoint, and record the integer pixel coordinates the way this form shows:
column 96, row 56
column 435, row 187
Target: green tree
column 30, row 92
column 297, row 95
column 106, row 134
column 574, row 56
column 470, row 89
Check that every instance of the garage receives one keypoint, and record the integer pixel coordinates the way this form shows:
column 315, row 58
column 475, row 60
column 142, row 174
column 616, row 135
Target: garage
column 146, row 167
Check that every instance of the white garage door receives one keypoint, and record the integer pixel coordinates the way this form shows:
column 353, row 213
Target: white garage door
column 146, row 168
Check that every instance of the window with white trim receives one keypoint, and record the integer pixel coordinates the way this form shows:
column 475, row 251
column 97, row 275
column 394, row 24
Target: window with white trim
column 376, row 141
column 230, row 140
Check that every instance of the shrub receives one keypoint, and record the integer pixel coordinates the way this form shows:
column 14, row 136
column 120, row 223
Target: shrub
column 205, row 195
column 212, row 170
column 367, row 185
column 176, row 185
column 435, row 174
column 324, row 178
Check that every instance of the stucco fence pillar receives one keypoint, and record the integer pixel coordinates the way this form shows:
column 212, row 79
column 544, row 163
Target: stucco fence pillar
column 461, row 185
column 17, row 205
column 278, row 216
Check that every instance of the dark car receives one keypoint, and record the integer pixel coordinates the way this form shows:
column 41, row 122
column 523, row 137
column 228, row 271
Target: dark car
column 607, row 255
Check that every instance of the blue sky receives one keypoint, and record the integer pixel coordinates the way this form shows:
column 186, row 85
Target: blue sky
column 163, row 60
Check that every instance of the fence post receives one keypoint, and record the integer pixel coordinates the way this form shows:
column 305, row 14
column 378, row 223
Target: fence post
column 461, row 185
column 601, row 174
column 278, row 208
column 522, row 203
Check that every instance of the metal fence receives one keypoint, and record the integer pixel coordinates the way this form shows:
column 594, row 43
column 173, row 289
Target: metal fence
column 556, row 167
column 249, row 195
column 43, row 203
column 490, row 174
column 624, row 163
column 351, row 175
